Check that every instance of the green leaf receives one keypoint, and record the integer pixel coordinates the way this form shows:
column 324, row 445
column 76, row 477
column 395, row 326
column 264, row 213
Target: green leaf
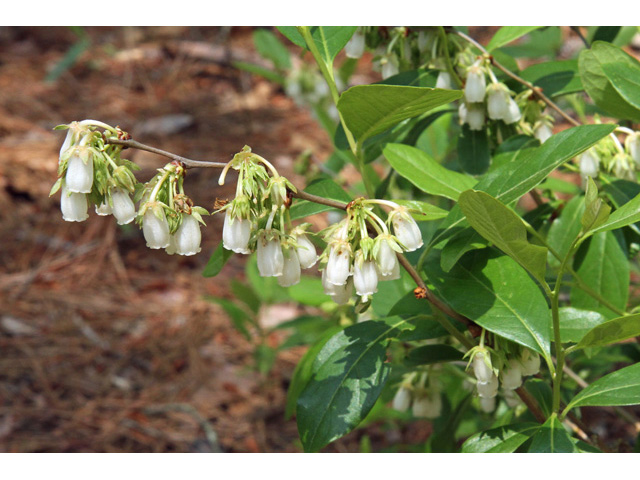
column 268, row 45
column 217, row 260
column 575, row 323
column 465, row 241
column 507, row 35
column 505, row 229
column 423, row 211
column 431, row 354
column 596, row 212
column 565, row 229
column 625, row 215
column 259, row 70
column 555, row 78
column 325, row 188
column 541, row 391
column 605, row 269
column 606, row 33
column 623, row 77
column 598, row 85
column 621, row 387
column 347, row 378
column 308, row 291
column 505, row 439
column 551, row 438
column 371, row 109
column 612, row 331
column 425, row 173
column 473, row 150
column 329, row 40
column 497, row 294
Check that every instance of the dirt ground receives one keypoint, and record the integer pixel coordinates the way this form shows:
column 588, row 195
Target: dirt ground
column 106, row 345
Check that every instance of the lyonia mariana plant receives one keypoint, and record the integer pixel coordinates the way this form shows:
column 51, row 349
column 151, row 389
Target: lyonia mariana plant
column 448, row 298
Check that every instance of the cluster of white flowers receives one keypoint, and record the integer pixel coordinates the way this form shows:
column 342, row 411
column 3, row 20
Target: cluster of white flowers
column 421, row 394
column 91, row 171
column 354, row 259
column 610, row 155
column 510, row 375
column 257, row 219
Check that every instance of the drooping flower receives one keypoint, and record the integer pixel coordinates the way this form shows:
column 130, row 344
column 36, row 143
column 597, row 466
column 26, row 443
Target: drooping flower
column 389, row 66
column 489, row 388
column 73, row 205
column 155, row 227
column 589, row 164
column 188, row 237
column 236, row 234
column 406, row 229
column 482, row 368
column 427, row 405
column 365, row 276
column 338, row 267
column 488, row 404
column 632, row 143
column 511, row 375
column 291, row 268
column 386, row 258
column 476, row 85
column 473, row 115
column 355, row 47
column 530, row 362
column 269, row 254
column 513, row 112
column 402, row 399
column 306, row 251
column 542, row 131
column 340, row 294
column 498, row 101
column 79, row 177
column 123, row 208
column 104, row 209
column 444, row 80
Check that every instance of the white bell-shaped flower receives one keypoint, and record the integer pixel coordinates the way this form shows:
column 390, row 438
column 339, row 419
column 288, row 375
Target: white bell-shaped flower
column 389, row 66
column 123, row 208
column 236, row 234
column 476, row 85
column 498, row 101
column 530, row 362
column 444, row 80
column 387, row 259
column 269, row 255
column 155, row 228
column 542, row 131
column 338, row 267
column 291, row 268
column 463, row 111
column 488, row 404
column 589, row 163
column 427, row 406
column 104, row 209
column 475, row 117
column 402, row 399
column 406, row 229
column 73, row 205
column 365, row 276
column 340, row 294
column 188, row 236
column 513, row 112
column 511, row 375
column 488, row 389
column 306, row 251
column 511, row 398
column 79, row 177
column 67, row 142
column 355, row 47
column 482, row 368
column 632, row 143
column 171, row 249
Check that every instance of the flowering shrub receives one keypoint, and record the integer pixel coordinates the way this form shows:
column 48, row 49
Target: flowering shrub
column 449, row 297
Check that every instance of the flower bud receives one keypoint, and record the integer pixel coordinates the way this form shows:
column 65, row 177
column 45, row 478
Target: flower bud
column 402, row 399
column 498, row 101
column 338, row 267
column 236, row 234
column 488, row 404
column 306, row 251
column 406, row 229
column 511, row 375
column 530, row 362
column 188, row 236
column 123, row 208
column 633, row 146
column 355, row 47
column 125, row 178
column 444, row 80
column 482, row 368
column 291, row 269
column 488, row 389
column 155, row 228
column 542, row 131
column 427, row 406
column 73, row 205
column 513, row 112
column 476, row 85
column 269, row 254
column 79, row 177
column 365, row 277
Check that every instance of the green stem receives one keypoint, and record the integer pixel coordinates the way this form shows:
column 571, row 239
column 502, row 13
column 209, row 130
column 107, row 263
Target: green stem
column 447, row 59
column 448, row 326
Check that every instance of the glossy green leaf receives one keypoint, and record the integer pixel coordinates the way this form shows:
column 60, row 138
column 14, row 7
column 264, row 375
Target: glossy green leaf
column 216, row 261
column 612, row 331
column 325, row 188
column 425, row 173
column 505, row 229
column 625, row 215
column 507, row 35
column 575, row 323
column 347, row 377
column 431, row 354
column 423, row 211
column 565, row 229
column 497, row 294
column 555, row 78
column 605, row 269
column 624, row 78
column 596, row 212
column 268, row 45
column 329, row 40
column 606, row 33
column 541, row 391
column 515, row 149
column 500, row 440
column 464, row 241
column 621, row 387
column 473, row 150
column 551, row 438
column 599, row 86
column 371, row 109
